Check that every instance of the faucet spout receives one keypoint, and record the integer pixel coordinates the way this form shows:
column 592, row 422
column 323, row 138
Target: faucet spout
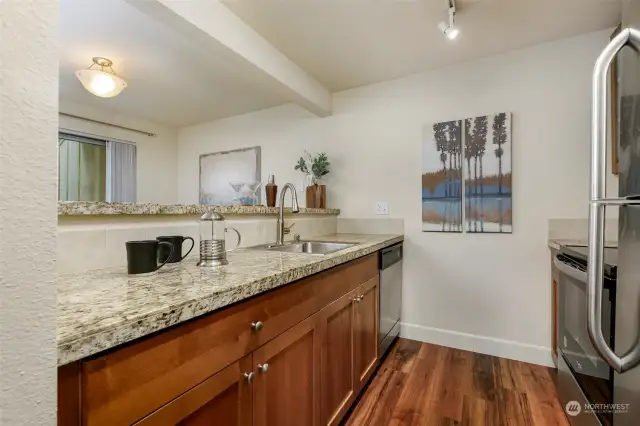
column 294, row 201
column 294, row 209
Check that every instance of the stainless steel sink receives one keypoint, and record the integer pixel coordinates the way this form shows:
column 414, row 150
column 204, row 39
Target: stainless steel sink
column 307, row 247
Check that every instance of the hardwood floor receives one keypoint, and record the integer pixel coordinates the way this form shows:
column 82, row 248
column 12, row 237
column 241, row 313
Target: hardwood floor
column 428, row 385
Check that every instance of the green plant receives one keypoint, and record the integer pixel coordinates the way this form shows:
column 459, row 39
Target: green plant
column 317, row 167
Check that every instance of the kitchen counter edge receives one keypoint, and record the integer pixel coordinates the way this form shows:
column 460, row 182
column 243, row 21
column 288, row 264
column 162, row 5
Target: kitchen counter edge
column 556, row 243
column 90, row 343
column 83, row 208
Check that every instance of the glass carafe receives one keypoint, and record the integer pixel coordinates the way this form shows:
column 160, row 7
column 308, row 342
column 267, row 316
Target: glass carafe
column 213, row 231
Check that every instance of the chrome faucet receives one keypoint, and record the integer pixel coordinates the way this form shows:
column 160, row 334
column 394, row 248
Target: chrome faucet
column 281, row 231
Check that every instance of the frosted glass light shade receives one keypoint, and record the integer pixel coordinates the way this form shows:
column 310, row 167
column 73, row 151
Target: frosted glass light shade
column 100, row 83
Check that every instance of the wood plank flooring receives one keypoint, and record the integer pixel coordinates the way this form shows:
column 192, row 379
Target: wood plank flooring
column 428, row 385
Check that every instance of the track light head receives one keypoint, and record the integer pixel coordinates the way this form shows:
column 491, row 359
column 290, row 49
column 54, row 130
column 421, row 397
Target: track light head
column 449, row 31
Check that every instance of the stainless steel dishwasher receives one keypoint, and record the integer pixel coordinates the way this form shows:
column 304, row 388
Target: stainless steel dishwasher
column 390, row 296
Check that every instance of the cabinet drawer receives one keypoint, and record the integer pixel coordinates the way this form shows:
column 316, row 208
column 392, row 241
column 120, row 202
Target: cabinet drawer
column 226, row 398
column 126, row 384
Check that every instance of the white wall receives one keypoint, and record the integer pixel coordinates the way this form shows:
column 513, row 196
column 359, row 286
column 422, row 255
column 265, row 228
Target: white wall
column 490, row 293
column 156, row 156
column 28, row 131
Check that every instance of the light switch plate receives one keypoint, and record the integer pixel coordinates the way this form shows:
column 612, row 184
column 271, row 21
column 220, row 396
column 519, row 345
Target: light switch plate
column 382, row 208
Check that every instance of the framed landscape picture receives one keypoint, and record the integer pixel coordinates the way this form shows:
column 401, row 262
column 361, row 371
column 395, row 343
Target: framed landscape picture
column 467, row 163
column 441, row 177
column 487, row 153
column 218, row 169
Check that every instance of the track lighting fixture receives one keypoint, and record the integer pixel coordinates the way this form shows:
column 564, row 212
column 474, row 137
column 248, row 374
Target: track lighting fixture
column 449, row 29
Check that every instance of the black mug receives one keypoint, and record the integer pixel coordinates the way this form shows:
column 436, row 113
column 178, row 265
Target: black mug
column 168, row 256
column 142, row 256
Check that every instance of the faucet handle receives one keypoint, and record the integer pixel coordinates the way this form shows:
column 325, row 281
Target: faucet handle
column 287, row 229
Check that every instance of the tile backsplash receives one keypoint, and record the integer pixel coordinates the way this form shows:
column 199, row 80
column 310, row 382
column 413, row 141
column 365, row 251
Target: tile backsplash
column 84, row 247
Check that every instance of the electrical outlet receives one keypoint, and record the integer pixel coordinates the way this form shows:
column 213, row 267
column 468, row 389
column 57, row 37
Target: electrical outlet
column 382, row 207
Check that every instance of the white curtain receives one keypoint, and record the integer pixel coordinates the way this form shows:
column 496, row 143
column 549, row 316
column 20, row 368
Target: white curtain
column 121, row 168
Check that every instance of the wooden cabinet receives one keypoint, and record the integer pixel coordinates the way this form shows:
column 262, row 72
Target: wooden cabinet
column 225, row 398
column 337, row 373
column 365, row 341
column 304, row 366
column 349, row 349
column 287, row 382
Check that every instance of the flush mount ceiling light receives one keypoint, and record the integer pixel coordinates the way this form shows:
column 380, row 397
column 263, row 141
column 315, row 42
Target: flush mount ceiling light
column 101, row 82
column 449, row 29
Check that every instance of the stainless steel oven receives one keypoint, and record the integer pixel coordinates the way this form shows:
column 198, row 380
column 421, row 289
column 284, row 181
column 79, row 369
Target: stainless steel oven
column 580, row 365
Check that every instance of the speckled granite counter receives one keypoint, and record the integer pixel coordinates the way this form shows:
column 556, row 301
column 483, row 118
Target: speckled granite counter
column 102, row 309
column 81, row 208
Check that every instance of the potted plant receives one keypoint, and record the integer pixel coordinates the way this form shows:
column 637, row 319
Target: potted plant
column 315, row 168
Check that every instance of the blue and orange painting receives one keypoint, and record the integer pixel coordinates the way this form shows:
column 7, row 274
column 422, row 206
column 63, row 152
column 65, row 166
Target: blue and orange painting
column 441, row 177
column 487, row 171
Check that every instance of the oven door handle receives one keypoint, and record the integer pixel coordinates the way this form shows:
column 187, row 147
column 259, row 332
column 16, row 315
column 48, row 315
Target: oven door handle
column 597, row 205
column 570, row 271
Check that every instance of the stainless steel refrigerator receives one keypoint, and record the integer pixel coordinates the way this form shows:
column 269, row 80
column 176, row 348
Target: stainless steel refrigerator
column 624, row 358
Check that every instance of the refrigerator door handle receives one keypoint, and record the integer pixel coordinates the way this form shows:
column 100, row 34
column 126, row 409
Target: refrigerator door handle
column 597, row 205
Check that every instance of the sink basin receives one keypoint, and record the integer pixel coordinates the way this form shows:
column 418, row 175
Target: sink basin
column 307, row 247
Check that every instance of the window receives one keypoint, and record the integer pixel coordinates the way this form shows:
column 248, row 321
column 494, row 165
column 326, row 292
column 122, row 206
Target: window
column 95, row 169
column 82, row 168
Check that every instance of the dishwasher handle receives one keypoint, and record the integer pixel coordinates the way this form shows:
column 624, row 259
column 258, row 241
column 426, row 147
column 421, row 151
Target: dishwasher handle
column 390, row 256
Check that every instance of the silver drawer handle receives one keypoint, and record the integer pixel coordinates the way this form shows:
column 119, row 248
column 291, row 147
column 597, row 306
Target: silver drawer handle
column 249, row 377
column 256, row 326
column 263, row 367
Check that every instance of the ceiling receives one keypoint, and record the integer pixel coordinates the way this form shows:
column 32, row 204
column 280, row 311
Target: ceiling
column 349, row 43
column 170, row 80
column 341, row 43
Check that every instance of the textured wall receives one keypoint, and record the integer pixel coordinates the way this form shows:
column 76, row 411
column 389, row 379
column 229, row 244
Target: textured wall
column 28, row 125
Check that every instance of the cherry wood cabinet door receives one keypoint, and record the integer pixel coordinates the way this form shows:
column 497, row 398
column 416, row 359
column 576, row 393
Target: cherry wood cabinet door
column 223, row 399
column 337, row 379
column 286, row 388
column 365, row 338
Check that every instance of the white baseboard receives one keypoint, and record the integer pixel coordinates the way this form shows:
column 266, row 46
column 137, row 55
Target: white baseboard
column 485, row 345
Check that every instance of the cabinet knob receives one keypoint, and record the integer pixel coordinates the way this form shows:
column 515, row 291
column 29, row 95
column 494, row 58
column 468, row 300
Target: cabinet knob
column 263, row 367
column 358, row 299
column 256, row 326
column 248, row 377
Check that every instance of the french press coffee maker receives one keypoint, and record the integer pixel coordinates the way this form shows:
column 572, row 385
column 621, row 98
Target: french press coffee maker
column 212, row 235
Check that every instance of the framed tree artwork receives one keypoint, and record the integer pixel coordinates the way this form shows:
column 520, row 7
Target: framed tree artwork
column 466, row 175
column 487, row 172
column 441, row 177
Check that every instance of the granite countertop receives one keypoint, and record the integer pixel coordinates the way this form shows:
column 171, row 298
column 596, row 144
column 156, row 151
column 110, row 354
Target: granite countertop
column 555, row 243
column 82, row 208
column 99, row 310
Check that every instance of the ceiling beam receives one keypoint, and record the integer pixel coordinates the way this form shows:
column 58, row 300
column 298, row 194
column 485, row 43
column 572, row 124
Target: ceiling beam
column 212, row 25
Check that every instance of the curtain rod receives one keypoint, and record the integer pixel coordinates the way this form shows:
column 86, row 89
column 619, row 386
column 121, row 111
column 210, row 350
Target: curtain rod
column 64, row 131
column 108, row 124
